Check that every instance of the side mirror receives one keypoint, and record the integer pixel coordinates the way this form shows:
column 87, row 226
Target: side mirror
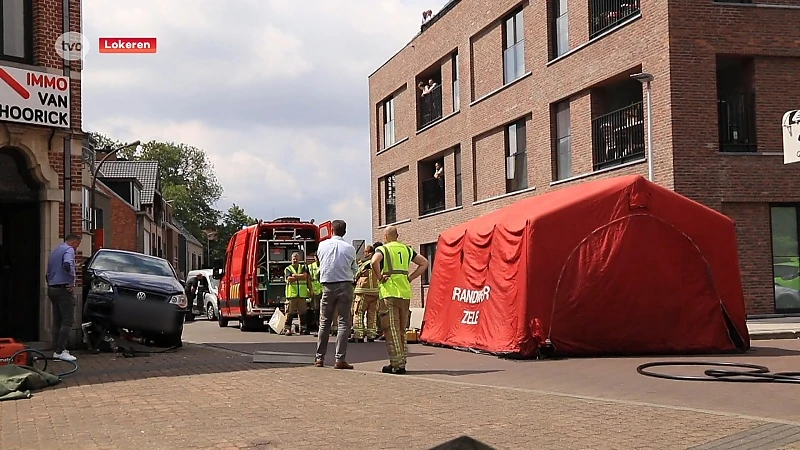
column 216, row 273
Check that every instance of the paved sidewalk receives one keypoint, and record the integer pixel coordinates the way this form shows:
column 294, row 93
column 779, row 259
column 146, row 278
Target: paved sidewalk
column 774, row 328
column 207, row 398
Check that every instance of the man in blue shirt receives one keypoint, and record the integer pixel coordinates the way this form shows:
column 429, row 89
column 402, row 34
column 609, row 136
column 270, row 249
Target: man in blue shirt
column 61, row 291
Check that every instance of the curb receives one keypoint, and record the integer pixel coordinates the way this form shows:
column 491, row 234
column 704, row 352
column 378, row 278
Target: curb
column 778, row 334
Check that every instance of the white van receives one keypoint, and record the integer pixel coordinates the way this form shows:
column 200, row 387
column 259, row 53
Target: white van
column 210, row 306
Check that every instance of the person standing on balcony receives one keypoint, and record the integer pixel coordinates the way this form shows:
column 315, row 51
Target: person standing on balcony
column 297, row 291
column 390, row 264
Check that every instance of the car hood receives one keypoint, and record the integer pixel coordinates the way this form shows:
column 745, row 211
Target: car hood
column 151, row 283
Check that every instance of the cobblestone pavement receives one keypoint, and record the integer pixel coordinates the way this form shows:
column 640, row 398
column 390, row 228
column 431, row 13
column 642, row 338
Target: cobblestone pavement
column 201, row 397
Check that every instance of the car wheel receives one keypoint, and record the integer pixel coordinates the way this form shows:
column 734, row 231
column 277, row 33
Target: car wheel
column 210, row 313
column 222, row 321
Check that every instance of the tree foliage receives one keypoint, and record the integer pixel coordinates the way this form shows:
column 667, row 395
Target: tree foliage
column 189, row 182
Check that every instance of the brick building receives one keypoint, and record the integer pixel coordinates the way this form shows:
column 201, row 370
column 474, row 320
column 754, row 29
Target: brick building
column 41, row 167
column 534, row 96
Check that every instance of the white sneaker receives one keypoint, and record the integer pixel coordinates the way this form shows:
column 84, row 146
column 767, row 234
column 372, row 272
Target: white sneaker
column 64, row 356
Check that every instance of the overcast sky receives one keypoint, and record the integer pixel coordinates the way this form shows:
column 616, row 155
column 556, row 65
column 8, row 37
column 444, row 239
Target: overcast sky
column 275, row 92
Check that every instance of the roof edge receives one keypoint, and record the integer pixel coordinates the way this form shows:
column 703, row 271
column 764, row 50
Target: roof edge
column 424, row 27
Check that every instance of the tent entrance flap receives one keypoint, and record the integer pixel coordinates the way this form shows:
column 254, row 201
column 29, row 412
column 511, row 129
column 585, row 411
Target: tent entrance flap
column 637, row 282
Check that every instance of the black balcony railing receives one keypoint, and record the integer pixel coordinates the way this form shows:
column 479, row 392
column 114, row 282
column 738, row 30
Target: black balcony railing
column 737, row 122
column 430, row 106
column 604, row 14
column 432, row 196
column 618, row 137
column 391, row 210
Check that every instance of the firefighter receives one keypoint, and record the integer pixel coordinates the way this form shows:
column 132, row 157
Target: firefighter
column 381, row 309
column 195, row 289
column 297, row 291
column 366, row 301
column 312, row 318
column 390, row 264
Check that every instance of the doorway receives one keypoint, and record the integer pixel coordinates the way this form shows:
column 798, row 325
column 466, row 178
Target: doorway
column 20, row 242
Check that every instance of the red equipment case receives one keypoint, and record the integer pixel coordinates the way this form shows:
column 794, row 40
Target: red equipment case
column 8, row 347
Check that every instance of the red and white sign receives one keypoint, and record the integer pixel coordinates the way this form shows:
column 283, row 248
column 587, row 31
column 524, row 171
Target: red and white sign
column 791, row 136
column 127, row 45
column 34, row 98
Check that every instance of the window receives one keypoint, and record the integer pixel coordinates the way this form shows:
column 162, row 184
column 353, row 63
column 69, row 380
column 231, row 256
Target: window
column 429, row 252
column 563, row 144
column 785, row 258
column 560, row 30
column 514, row 53
column 148, row 246
column 17, row 36
column 457, row 177
column 456, row 86
column 136, row 197
column 87, row 209
column 388, row 123
column 98, row 218
column 736, row 104
column 390, row 199
column 516, row 161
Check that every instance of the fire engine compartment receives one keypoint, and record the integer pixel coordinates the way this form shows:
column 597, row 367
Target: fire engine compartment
column 275, row 247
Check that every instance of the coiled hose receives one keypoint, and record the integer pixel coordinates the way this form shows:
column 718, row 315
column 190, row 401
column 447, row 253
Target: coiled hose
column 756, row 374
column 42, row 357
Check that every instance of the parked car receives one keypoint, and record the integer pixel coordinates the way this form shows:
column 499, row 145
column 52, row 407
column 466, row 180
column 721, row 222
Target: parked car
column 210, row 305
column 134, row 292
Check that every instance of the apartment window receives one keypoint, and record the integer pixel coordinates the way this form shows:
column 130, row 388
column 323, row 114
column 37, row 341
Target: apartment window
column 388, row 123
column 785, row 257
column 429, row 252
column 516, row 161
column 560, row 30
column 563, row 144
column 736, row 104
column 390, row 199
column 456, row 86
column 87, row 209
column 457, row 176
column 514, row 53
column 17, row 36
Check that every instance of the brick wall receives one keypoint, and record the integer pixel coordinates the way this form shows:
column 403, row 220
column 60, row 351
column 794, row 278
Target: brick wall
column 123, row 222
column 676, row 41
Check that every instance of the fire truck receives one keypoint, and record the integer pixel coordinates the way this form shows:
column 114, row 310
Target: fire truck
column 252, row 283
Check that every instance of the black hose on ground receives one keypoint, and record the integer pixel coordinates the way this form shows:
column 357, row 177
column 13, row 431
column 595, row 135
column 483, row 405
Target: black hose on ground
column 755, row 374
column 41, row 357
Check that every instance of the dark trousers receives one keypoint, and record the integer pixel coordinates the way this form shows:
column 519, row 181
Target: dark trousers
column 63, row 316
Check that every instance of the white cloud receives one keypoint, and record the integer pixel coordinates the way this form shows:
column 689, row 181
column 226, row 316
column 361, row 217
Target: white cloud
column 274, row 92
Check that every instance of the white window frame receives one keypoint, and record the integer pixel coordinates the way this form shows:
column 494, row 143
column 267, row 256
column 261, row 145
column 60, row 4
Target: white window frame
column 389, row 137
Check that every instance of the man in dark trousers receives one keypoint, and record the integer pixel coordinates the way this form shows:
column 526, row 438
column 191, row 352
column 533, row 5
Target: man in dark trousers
column 195, row 288
column 60, row 279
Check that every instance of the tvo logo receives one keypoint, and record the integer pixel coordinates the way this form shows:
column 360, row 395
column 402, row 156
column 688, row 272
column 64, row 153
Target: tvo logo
column 72, row 46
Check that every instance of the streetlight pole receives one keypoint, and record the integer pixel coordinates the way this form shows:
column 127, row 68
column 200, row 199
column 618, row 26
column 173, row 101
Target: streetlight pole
column 646, row 79
column 95, row 171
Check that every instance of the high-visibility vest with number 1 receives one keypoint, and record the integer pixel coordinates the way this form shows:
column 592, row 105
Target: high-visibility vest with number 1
column 396, row 260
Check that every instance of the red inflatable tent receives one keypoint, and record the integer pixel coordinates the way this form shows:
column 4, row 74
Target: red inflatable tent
column 611, row 267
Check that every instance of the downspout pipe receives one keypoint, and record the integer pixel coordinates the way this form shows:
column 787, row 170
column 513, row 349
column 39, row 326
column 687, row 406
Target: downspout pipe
column 68, row 138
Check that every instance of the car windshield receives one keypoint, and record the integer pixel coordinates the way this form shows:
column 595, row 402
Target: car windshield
column 132, row 263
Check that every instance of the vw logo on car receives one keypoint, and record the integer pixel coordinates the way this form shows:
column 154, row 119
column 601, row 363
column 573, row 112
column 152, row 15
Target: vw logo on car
column 141, row 296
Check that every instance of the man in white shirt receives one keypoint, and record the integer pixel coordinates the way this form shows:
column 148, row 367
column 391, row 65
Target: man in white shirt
column 337, row 270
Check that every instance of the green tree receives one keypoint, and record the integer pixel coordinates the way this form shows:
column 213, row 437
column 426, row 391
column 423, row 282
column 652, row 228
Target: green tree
column 102, row 141
column 188, row 180
column 232, row 221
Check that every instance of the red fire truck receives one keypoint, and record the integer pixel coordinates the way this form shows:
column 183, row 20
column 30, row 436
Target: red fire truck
column 252, row 283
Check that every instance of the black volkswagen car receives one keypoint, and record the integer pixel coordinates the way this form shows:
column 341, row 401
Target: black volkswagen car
column 135, row 292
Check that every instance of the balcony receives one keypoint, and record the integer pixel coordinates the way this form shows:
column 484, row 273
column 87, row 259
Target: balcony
column 618, row 137
column 605, row 14
column 737, row 122
column 430, row 107
column 432, row 196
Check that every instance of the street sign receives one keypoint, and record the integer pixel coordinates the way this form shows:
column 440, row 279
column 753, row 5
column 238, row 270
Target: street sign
column 359, row 245
column 791, row 137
